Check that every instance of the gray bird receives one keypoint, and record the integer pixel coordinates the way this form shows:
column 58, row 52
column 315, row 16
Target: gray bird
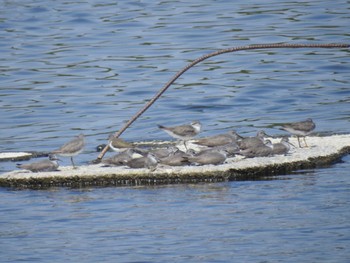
column 71, row 148
column 178, row 158
column 300, row 129
column 281, row 147
column 149, row 161
column 258, row 151
column 164, row 152
column 209, row 156
column 119, row 159
column 41, row 166
column 249, row 142
column 218, row 140
column 183, row 132
column 230, row 148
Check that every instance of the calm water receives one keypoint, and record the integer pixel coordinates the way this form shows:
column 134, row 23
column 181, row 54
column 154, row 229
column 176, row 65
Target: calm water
column 87, row 66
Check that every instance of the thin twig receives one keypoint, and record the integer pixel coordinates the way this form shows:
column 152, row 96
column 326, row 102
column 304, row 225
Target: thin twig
column 200, row 59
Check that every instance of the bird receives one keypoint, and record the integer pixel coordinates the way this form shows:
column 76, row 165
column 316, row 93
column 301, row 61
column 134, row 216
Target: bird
column 118, row 144
column 183, row 132
column 230, row 148
column 300, row 129
column 249, row 142
column 208, row 156
column 258, row 150
column 41, row 166
column 164, row 152
column 281, row 147
column 119, row 159
column 149, row 161
column 177, row 158
column 218, row 140
column 71, row 148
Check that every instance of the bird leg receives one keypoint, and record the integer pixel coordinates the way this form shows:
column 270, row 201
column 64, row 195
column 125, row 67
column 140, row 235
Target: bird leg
column 299, row 142
column 185, row 145
column 71, row 158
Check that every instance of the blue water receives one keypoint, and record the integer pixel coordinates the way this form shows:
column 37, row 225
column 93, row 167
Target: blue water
column 68, row 67
column 296, row 218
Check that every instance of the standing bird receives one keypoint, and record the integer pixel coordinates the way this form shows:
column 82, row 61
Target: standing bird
column 300, row 129
column 218, row 140
column 183, row 132
column 41, row 166
column 72, row 148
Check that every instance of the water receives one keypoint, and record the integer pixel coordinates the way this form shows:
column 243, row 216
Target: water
column 88, row 66
column 301, row 217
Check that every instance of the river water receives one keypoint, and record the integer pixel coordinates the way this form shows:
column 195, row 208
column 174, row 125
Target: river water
column 88, row 66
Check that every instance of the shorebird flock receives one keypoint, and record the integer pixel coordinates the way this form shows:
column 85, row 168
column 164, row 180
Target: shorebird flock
column 213, row 150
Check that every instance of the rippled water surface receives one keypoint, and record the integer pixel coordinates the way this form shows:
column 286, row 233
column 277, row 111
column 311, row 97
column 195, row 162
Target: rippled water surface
column 87, row 66
column 297, row 218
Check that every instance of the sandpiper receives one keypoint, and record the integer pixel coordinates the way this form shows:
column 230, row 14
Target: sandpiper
column 177, row 158
column 72, row 148
column 258, row 150
column 149, row 161
column 118, row 144
column 230, row 148
column 218, row 140
column 300, row 129
column 281, row 147
column 208, row 157
column 164, row 152
column 120, row 158
column 183, row 132
column 250, row 142
column 41, row 166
